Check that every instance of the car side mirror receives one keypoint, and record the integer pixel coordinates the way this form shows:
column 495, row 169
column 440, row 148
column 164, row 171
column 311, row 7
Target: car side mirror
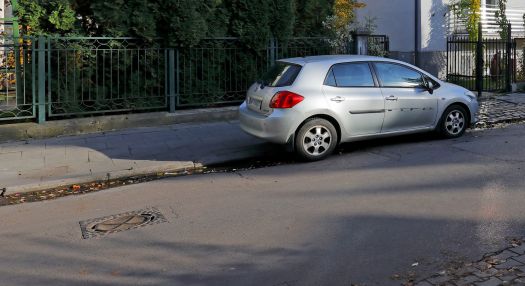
column 428, row 86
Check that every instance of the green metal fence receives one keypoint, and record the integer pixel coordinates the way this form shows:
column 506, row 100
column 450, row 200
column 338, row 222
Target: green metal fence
column 16, row 79
column 56, row 77
column 217, row 71
column 100, row 75
column 220, row 70
column 17, row 90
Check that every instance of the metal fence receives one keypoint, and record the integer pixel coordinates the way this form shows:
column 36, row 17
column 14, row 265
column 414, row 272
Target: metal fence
column 17, row 88
column 486, row 64
column 58, row 77
column 219, row 71
column 98, row 75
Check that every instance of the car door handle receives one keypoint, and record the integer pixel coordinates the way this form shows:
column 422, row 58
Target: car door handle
column 391, row 98
column 337, row 99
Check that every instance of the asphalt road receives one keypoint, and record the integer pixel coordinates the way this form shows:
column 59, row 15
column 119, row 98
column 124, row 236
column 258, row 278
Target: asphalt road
column 361, row 216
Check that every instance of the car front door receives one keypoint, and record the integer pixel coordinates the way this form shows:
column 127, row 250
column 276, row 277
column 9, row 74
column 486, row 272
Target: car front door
column 355, row 96
column 408, row 104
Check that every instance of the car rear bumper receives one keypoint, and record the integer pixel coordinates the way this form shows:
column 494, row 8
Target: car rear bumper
column 274, row 128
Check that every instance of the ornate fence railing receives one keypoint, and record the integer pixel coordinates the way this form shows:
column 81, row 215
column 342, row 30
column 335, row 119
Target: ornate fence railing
column 98, row 75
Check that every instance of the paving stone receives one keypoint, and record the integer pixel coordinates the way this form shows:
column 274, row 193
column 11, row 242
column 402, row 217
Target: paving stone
column 493, row 281
column 504, row 255
column 486, row 273
column 439, row 280
column 518, row 282
column 522, row 269
column 424, row 283
column 508, row 264
column 468, row 280
column 520, row 249
column 520, row 258
column 10, row 156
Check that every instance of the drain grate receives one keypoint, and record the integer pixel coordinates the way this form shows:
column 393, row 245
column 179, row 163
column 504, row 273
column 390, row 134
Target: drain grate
column 120, row 222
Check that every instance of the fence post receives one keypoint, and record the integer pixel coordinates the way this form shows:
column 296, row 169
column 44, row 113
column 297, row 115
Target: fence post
column 171, row 79
column 508, row 52
column 41, row 100
column 273, row 51
column 479, row 61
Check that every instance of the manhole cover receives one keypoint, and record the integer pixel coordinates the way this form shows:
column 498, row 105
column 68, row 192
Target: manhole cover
column 120, row 222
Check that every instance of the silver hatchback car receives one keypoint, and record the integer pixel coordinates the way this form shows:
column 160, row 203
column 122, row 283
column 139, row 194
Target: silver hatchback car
column 314, row 103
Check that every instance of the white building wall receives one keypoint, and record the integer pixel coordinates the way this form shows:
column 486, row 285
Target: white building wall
column 434, row 19
column 394, row 18
column 516, row 4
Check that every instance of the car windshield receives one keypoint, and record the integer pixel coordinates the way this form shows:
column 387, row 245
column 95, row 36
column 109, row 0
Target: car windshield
column 281, row 74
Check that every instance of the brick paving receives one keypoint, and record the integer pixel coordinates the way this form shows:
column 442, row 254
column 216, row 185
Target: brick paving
column 505, row 267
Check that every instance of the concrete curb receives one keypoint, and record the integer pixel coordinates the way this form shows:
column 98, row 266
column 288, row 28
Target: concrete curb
column 119, row 174
column 50, row 129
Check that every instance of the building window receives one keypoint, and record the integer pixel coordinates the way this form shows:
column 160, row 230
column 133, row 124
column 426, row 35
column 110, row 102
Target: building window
column 492, row 3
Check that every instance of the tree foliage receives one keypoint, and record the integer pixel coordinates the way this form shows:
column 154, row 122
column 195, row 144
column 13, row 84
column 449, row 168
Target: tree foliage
column 46, row 17
column 501, row 19
column 179, row 22
column 310, row 15
column 342, row 23
column 344, row 12
column 469, row 12
column 521, row 75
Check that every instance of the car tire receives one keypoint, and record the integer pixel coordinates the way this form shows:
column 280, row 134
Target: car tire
column 315, row 140
column 454, row 122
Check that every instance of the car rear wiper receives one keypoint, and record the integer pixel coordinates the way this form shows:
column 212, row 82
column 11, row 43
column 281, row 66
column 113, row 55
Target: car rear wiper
column 262, row 83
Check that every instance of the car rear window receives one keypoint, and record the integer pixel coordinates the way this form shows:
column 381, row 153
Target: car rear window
column 281, row 74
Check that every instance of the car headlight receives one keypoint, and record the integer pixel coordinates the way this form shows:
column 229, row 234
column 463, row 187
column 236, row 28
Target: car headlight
column 471, row 95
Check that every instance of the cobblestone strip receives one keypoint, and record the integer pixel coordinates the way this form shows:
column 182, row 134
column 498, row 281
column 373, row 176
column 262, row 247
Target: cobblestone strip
column 493, row 111
column 505, row 267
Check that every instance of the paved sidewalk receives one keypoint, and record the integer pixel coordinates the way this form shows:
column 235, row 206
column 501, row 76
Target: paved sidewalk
column 41, row 164
column 48, row 163
column 501, row 109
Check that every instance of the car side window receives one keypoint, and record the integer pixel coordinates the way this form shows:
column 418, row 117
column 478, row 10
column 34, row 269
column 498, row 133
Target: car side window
column 395, row 75
column 350, row 75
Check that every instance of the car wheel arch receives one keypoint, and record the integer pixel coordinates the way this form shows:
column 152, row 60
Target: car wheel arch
column 464, row 106
column 327, row 117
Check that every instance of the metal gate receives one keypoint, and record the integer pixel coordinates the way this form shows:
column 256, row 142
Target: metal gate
column 486, row 64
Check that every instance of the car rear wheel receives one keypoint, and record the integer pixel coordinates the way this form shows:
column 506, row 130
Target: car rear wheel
column 453, row 122
column 315, row 140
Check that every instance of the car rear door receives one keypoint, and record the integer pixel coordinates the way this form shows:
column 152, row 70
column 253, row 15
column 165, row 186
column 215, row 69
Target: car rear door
column 353, row 93
column 408, row 104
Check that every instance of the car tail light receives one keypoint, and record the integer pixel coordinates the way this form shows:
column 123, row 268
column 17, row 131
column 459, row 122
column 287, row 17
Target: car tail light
column 285, row 99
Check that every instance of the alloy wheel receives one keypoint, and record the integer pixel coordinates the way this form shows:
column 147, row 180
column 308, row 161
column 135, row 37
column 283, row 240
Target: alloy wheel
column 317, row 140
column 455, row 122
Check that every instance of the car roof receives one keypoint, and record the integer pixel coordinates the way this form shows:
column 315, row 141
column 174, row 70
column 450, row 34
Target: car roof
column 333, row 59
column 329, row 60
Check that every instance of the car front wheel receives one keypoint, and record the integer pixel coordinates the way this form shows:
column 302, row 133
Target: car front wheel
column 315, row 140
column 453, row 122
